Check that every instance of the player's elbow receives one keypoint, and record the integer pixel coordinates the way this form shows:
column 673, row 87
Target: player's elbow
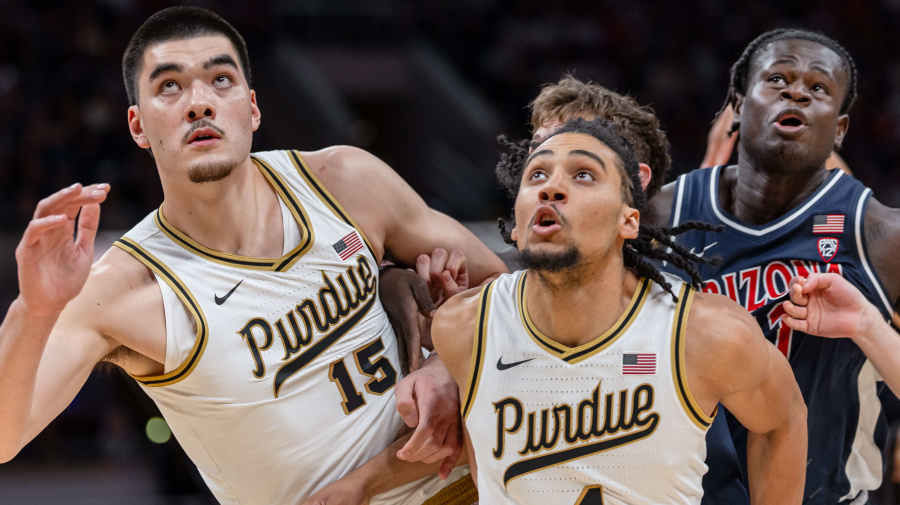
column 9, row 449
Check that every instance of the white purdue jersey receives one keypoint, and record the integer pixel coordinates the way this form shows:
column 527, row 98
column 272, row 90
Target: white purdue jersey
column 279, row 372
column 610, row 422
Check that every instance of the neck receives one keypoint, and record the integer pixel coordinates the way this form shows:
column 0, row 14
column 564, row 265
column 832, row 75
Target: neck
column 756, row 194
column 566, row 308
column 238, row 215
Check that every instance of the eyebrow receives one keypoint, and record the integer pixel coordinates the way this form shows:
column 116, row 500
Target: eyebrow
column 591, row 155
column 163, row 68
column 542, row 152
column 222, row 59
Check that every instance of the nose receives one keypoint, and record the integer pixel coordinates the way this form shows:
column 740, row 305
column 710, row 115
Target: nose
column 200, row 104
column 796, row 92
column 553, row 191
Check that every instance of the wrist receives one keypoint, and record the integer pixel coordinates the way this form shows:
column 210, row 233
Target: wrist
column 49, row 315
column 870, row 324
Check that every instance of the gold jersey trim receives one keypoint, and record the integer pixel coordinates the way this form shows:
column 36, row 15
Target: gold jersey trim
column 180, row 289
column 679, row 374
column 461, row 492
column 327, row 198
column 478, row 349
column 272, row 264
column 574, row 355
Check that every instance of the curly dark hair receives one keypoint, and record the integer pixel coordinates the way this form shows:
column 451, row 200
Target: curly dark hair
column 737, row 82
column 571, row 98
column 652, row 241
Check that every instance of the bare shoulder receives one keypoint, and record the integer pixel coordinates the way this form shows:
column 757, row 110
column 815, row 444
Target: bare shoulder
column 660, row 206
column 717, row 322
column 121, row 302
column 719, row 327
column 882, row 231
column 453, row 331
column 339, row 165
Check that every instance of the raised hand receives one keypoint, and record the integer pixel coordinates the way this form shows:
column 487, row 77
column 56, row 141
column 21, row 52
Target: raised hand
column 446, row 274
column 54, row 258
column 827, row 305
column 719, row 142
column 406, row 301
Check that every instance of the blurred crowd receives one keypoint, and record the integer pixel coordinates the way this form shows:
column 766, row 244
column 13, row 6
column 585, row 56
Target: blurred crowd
column 63, row 105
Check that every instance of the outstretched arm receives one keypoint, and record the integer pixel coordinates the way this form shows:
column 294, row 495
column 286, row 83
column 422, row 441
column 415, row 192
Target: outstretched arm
column 755, row 383
column 829, row 306
column 38, row 379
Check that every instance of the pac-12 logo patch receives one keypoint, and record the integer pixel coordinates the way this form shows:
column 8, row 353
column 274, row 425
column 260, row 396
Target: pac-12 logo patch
column 828, row 247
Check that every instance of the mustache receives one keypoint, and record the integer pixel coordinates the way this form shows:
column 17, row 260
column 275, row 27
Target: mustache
column 203, row 123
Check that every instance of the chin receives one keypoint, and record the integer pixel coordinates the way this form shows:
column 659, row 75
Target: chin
column 211, row 171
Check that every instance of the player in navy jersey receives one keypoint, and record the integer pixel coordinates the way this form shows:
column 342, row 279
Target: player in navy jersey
column 786, row 215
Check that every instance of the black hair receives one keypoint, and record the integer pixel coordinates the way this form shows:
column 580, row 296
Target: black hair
column 737, row 81
column 172, row 24
column 652, row 241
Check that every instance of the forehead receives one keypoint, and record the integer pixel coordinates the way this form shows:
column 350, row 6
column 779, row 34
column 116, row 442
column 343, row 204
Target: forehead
column 799, row 52
column 563, row 144
column 190, row 52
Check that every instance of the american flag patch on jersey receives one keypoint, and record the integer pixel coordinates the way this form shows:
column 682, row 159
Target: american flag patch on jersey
column 828, row 223
column 348, row 245
column 638, row 364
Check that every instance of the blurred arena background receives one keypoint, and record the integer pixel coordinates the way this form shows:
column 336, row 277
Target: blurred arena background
column 425, row 85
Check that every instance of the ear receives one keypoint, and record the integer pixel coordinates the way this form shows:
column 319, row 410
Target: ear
column 843, row 125
column 254, row 110
column 646, row 174
column 631, row 222
column 136, row 127
column 738, row 104
column 514, row 234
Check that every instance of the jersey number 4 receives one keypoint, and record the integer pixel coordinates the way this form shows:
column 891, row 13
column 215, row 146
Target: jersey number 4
column 339, row 375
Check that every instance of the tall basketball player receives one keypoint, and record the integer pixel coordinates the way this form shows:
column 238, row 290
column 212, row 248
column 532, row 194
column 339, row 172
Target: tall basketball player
column 591, row 377
column 785, row 215
column 246, row 306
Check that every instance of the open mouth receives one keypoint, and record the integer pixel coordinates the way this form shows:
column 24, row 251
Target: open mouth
column 204, row 136
column 790, row 121
column 546, row 221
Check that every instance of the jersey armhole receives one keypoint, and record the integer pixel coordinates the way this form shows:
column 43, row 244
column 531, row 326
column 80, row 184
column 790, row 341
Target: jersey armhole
column 863, row 253
column 478, row 350
column 679, row 373
column 190, row 303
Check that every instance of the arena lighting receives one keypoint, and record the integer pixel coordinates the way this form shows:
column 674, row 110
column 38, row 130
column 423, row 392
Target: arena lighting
column 158, row 430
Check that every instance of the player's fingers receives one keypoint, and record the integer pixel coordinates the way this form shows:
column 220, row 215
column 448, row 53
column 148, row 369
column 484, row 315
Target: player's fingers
column 797, row 295
column 423, row 267
column 448, row 285
column 795, row 324
column 88, row 222
column 404, row 395
column 409, row 324
column 456, row 263
column 819, row 281
column 38, row 227
column 423, row 299
column 453, row 442
column 421, row 438
column 69, row 200
column 795, row 311
column 438, row 261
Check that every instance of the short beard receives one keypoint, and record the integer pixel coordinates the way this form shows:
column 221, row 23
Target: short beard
column 551, row 263
column 211, row 172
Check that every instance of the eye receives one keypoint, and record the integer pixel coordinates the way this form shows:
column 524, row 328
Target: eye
column 584, row 175
column 223, row 81
column 819, row 87
column 537, row 174
column 169, row 87
column 778, row 78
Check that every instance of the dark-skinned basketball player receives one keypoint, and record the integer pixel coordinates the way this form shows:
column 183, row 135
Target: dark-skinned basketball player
column 786, row 215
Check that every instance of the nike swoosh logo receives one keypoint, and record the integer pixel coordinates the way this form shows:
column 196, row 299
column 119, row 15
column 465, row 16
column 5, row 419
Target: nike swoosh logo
column 503, row 366
column 220, row 301
column 700, row 255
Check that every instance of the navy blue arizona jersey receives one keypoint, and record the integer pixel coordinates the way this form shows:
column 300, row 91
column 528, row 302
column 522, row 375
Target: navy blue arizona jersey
column 847, row 430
